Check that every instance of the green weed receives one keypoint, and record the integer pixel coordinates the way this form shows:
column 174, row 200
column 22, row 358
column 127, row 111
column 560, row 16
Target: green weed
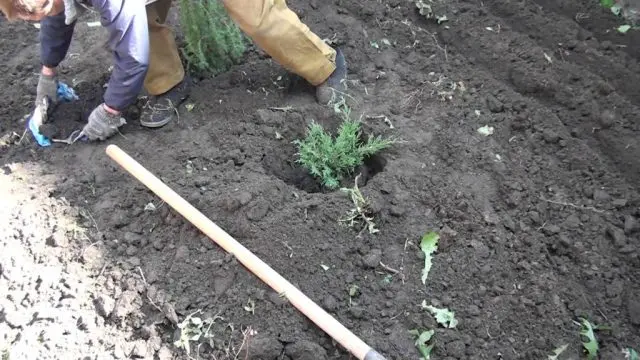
column 422, row 339
column 630, row 15
column 329, row 159
column 607, row 4
column 213, row 42
column 631, row 354
column 589, row 340
column 444, row 317
column 194, row 329
column 428, row 245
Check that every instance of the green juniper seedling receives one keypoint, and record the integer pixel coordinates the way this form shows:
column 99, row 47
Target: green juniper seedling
column 329, row 159
column 213, row 42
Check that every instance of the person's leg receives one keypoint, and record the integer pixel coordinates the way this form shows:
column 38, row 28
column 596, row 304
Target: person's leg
column 165, row 68
column 165, row 80
column 280, row 33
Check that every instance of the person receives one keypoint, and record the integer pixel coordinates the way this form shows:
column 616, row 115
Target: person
column 146, row 54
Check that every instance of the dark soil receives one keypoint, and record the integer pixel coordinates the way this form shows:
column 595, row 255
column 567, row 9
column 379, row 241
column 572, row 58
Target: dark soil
column 538, row 222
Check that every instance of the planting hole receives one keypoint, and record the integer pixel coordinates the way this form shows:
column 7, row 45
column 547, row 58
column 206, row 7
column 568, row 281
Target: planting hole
column 282, row 164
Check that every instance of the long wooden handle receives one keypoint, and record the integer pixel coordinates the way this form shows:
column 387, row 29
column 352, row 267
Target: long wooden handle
column 310, row 309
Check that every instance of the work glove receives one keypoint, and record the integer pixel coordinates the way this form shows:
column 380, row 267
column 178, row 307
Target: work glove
column 102, row 124
column 47, row 87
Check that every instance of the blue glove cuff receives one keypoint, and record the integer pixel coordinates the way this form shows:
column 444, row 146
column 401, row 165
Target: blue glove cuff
column 40, row 139
column 65, row 94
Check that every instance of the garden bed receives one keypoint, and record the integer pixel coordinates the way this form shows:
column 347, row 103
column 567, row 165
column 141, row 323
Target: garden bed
column 537, row 221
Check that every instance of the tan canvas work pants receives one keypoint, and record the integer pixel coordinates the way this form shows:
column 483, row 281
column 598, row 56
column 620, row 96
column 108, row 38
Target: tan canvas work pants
column 269, row 23
column 280, row 33
column 165, row 68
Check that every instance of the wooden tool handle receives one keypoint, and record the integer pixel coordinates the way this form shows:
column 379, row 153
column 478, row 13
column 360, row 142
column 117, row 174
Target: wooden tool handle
column 310, row 309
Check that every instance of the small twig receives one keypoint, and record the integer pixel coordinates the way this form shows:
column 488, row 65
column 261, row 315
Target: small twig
column 603, row 315
column 22, row 137
column 147, row 286
column 90, row 245
column 391, row 270
column 542, row 226
column 121, row 134
column 246, row 354
column 395, row 316
column 402, row 268
column 394, row 271
column 283, row 109
column 579, row 207
column 245, row 339
column 435, row 40
column 142, row 275
column 488, row 334
column 102, row 270
column 288, row 247
column 88, row 215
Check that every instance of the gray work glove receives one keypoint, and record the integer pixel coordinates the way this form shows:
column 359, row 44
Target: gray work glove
column 47, row 87
column 102, row 124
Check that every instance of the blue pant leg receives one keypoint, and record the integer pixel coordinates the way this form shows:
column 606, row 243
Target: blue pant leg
column 55, row 39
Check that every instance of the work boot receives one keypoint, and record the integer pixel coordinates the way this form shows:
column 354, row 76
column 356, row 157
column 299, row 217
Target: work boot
column 335, row 87
column 161, row 109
